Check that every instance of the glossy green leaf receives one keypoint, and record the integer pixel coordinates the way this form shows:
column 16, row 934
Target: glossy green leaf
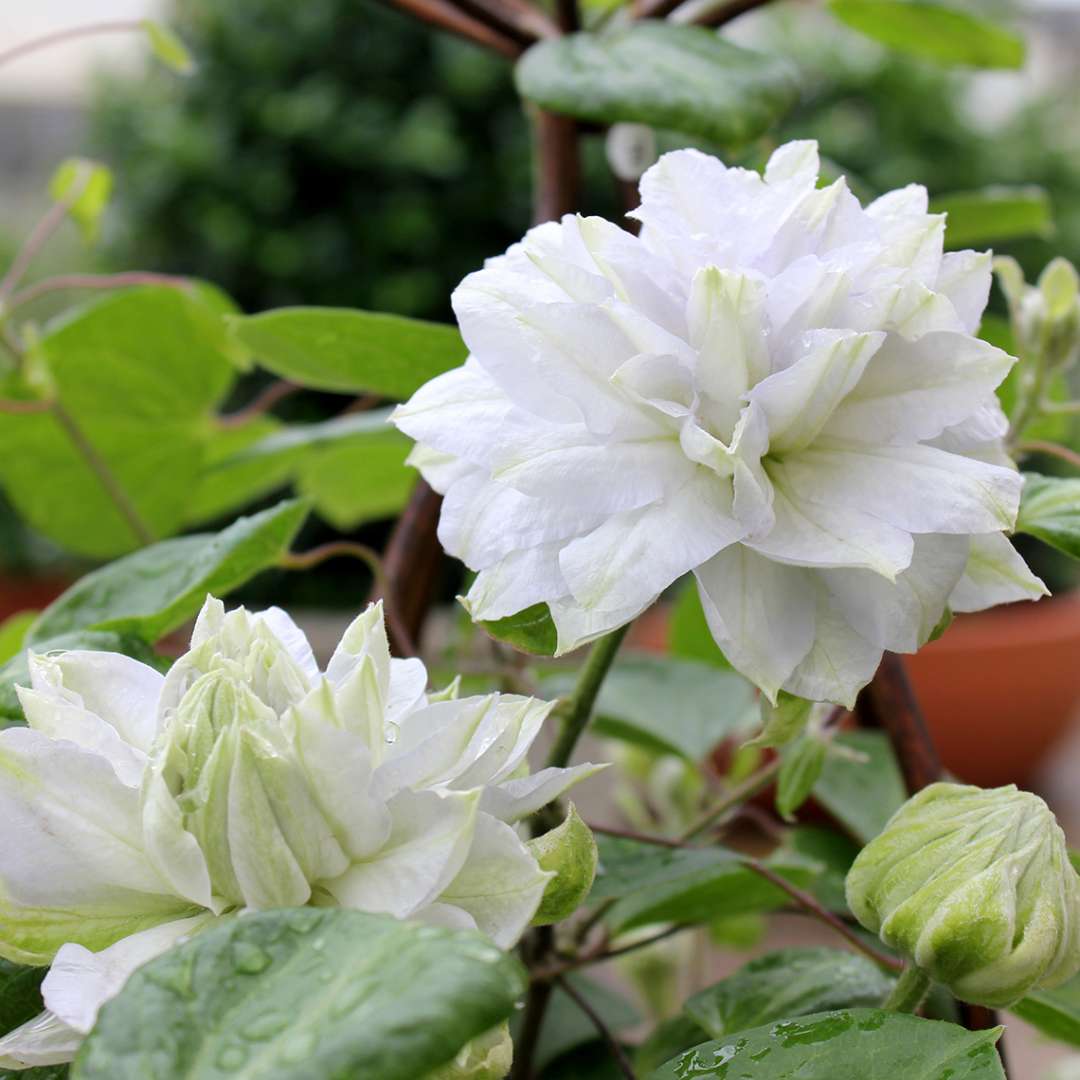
column 979, row 218
column 15, row 672
column 13, row 631
column 687, row 885
column 168, row 48
column 530, row 631
column 849, row 1044
column 862, row 795
column 948, row 35
column 299, row 993
column 137, row 376
column 800, row 768
column 85, row 186
column 788, row 983
column 689, row 635
column 351, row 351
column 1050, row 510
column 20, row 994
column 1054, row 1012
column 152, row 591
column 670, row 1037
column 685, row 78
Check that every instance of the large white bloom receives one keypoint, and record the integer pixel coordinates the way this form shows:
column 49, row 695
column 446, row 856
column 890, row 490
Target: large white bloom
column 139, row 807
column 772, row 387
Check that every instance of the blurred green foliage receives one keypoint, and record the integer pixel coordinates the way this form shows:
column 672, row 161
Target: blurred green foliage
column 330, row 152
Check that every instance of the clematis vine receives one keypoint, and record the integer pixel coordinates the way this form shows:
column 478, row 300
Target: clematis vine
column 139, row 808
column 771, row 387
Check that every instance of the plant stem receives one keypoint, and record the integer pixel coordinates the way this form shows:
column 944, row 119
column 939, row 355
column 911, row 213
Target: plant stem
column 261, row 404
column 536, row 946
column 124, row 280
column 1040, row 446
column 124, row 26
column 910, row 990
column 100, row 467
column 751, row 786
column 617, row 1052
column 49, row 223
column 304, row 560
column 579, row 712
column 447, row 16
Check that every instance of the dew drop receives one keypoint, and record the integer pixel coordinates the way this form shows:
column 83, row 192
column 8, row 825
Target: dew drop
column 250, row 959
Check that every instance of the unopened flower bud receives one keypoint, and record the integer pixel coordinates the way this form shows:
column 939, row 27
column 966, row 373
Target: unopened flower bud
column 569, row 852
column 976, row 889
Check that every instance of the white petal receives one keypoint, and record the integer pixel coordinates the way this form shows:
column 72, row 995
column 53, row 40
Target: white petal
column 500, row 884
column 122, row 691
column 502, row 741
column 630, row 559
column 445, row 915
column 577, row 625
column 364, row 637
column 809, row 534
column 965, row 278
column 74, row 832
column 794, row 162
column 799, row 400
column 45, row 1040
column 840, row 661
column 515, row 799
column 914, row 390
column 408, row 685
column 517, row 582
column 761, row 613
column 293, row 639
column 429, row 842
column 80, row 982
column 917, row 488
column 900, row 616
column 995, row 574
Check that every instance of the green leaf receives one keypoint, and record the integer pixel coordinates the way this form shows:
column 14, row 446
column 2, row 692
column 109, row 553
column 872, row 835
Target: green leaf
column 978, row 218
column 530, row 631
column 1050, row 510
column 862, row 795
column 1054, row 1012
column 849, row 1044
column 565, row 1027
column 42, row 1072
column 687, row 885
column 85, row 186
column 671, row 1037
column 351, row 351
column 152, row 591
column 834, row 852
column 689, row 635
column 300, row 993
column 787, row 983
column 137, row 375
column 168, row 48
column 800, row 768
column 681, row 77
column 20, row 994
column 783, row 722
column 15, row 672
column 13, row 631
column 668, row 705
column 946, row 34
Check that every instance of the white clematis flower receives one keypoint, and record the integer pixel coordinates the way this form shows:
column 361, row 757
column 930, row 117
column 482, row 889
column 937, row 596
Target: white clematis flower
column 772, row 388
column 139, row 807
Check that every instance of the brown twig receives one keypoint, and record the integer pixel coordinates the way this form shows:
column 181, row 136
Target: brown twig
column 259, row 405
column 751, row 786
column 558, row 167
column 602, row 953
column 24, row 408
column 1040, row 446
column 617, row 1052
column 447, row 16
column 517, row 18
column 124, row 280
column 39, row 236
column 305, row 560
column 125, row 26
column 722, row 15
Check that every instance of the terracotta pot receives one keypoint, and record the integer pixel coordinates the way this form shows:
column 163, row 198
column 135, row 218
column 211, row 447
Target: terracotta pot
column 999, row 688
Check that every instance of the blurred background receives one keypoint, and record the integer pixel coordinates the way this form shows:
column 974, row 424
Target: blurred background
column 334, row 152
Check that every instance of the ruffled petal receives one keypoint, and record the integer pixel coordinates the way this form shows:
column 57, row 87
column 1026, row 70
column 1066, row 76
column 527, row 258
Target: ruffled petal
column 995, row 574
column 45, row 1040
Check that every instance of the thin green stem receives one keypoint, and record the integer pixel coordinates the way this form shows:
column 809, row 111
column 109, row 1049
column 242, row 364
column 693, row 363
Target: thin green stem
column 751, row 786
column 908, row 993
column 579, row 710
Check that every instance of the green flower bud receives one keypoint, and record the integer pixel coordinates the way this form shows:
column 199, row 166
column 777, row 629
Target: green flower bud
column 487, row 1057
column 242, row 794
column 569, row 852
column 976, row 889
